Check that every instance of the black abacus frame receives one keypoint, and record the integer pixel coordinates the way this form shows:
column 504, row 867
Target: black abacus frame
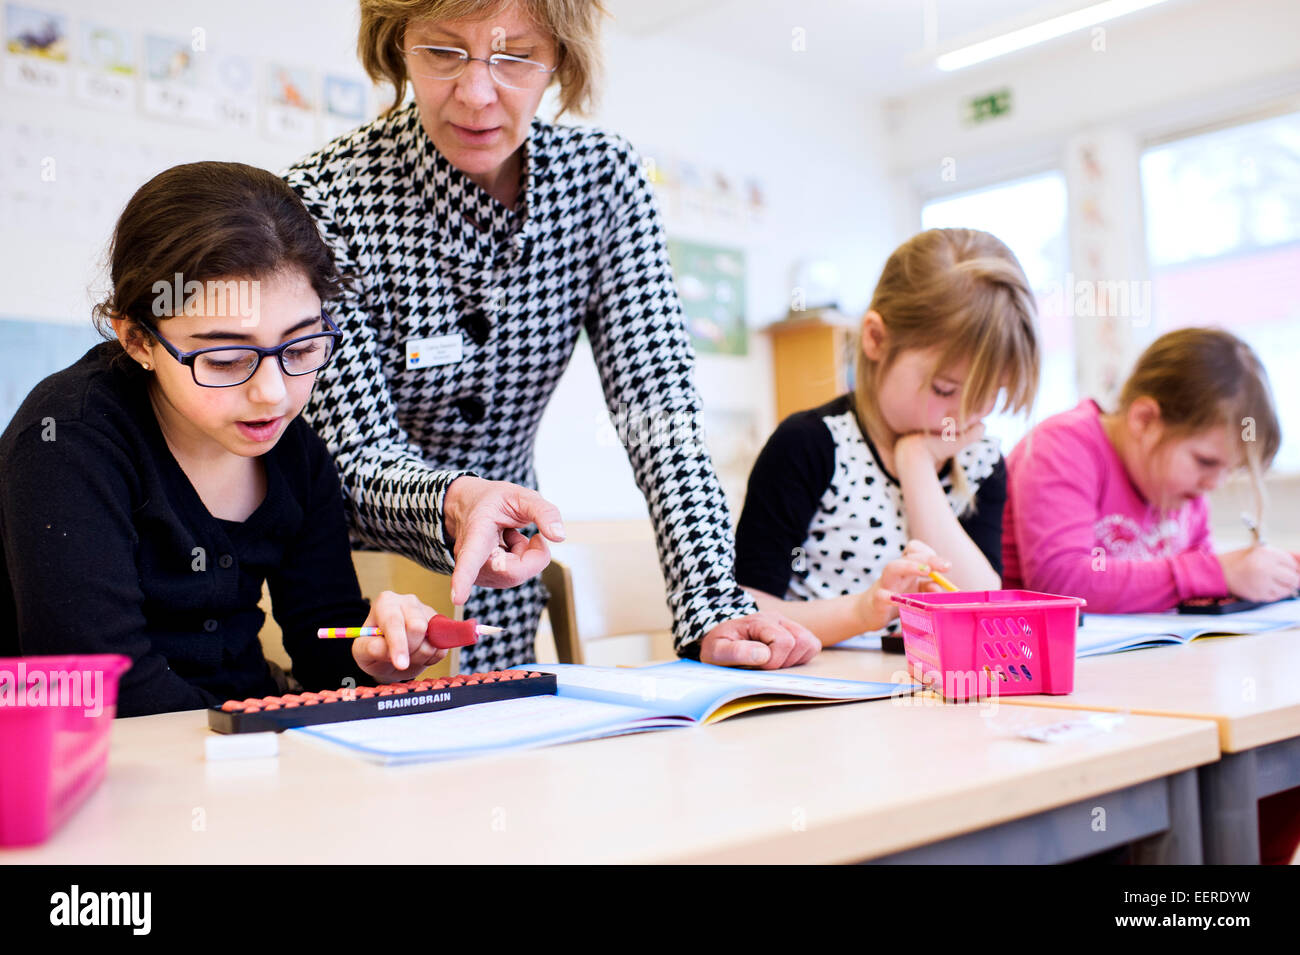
column 413, row 701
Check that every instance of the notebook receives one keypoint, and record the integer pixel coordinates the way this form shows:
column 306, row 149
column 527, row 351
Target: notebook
column 592, row 703
column 1117, row 632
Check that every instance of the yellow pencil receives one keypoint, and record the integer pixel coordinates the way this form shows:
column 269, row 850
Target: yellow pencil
column 943, row 581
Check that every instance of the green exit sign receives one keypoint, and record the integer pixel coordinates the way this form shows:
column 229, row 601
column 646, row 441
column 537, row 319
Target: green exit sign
column 980, row 109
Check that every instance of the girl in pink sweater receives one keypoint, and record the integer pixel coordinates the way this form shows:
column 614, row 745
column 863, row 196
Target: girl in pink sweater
column 1111, row 507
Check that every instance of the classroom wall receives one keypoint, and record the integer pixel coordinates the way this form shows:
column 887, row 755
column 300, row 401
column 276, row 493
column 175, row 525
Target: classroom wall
column 873, row 161
column 1102, row 96
column 818, row 151
column 67, row 168
column 51, row 259
column 1194, row 65
column 666, row 97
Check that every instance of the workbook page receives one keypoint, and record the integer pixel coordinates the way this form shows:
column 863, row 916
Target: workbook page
column 484, row 727
column 694, row 690
column 1112, row 632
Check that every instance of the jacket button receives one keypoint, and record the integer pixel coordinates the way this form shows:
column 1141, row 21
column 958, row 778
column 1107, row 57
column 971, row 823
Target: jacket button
column 476, row 324
column 471, row 409
column 209, row 625
column 225, row 560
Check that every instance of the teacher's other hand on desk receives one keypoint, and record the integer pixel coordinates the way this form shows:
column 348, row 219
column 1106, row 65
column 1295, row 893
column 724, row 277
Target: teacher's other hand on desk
column 765, row 640
column 483, row 518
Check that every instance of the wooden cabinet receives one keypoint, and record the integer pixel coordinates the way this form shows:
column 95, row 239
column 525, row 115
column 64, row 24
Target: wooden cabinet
column 813, row 356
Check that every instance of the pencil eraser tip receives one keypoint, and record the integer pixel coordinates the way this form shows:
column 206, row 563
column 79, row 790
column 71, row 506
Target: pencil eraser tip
column 445, row 633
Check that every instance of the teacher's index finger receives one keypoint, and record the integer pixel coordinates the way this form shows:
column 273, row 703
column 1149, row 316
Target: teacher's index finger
column 474, row 549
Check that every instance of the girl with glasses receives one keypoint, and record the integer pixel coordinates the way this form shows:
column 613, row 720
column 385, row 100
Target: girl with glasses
column 149, row 490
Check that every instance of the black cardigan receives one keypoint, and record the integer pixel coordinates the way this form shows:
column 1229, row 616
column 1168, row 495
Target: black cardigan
column 107, row 548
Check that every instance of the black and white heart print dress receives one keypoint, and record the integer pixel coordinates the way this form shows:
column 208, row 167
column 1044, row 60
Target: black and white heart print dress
column 822, row 516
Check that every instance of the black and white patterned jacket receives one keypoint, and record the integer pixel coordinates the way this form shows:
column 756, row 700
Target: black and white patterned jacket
column 433, row 255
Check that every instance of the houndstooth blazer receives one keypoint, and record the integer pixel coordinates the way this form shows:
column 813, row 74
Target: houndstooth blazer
column 431, row 255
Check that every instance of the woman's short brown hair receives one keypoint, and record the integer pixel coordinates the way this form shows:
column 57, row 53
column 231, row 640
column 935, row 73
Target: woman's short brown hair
column 573, row 24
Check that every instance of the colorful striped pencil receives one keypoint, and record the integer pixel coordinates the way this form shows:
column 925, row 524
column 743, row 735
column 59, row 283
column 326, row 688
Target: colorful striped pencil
column 347, row 633
column 351, row 633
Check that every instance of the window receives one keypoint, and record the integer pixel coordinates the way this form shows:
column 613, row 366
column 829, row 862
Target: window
column 1029, row 215
column 1223, row 242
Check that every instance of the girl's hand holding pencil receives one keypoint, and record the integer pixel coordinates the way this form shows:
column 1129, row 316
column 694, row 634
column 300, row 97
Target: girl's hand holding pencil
column 402, row 652
column 397, row 658
column 916, row 571
column 1260, row 572
column 931, row 564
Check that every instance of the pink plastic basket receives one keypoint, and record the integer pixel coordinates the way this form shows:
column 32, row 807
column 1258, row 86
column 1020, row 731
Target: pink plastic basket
column 990, row 642
column 55, row 716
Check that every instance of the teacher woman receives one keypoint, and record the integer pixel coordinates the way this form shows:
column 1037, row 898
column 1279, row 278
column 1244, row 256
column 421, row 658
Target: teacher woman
column 482, row 241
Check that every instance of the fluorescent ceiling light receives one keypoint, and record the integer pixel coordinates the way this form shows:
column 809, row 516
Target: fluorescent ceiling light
column 1040, row 32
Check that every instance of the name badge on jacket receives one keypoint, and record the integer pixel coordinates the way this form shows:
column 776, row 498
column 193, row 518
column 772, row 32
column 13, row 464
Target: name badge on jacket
column 431, row 352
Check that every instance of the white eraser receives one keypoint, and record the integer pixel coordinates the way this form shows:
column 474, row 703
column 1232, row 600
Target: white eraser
column 242, row 745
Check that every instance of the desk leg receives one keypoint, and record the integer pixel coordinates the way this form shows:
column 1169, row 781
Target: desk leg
column 1230, row 810
column 1139, row 813
column 1181, row 843
column 1279, row 766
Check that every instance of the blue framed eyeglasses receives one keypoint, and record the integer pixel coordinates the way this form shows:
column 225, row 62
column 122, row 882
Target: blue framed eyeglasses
column 225, row 366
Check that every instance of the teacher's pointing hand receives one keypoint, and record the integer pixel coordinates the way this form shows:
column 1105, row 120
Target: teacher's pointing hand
column 483, row 518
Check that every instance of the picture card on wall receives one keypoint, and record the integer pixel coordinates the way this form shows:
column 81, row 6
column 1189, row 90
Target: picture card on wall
column 291, row 107
column 37, row 43
column 105, row 74
column 173, row 86
column 234, row 85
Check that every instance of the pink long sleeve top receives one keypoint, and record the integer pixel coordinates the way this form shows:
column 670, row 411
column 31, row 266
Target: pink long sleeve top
column 1075, row 524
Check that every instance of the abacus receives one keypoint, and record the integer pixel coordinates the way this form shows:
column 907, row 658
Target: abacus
column 277, row 713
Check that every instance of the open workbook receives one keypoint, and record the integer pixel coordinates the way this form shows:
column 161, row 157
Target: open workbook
column 592, row 702
column 1115, row 632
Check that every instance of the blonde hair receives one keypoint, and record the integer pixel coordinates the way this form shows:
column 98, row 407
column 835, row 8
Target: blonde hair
column 573, row 24
column 961, row 291
column 1202, row 378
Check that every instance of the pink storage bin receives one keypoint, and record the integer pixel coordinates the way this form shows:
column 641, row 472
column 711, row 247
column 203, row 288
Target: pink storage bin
column 980, row 643
column 53, row 753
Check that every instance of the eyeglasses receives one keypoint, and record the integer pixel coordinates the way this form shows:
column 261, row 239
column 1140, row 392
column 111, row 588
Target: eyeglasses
column 449, row 62
column 228, row 365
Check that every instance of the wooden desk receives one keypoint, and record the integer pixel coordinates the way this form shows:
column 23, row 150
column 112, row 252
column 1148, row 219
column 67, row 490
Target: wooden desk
column 905, row 780
column 1248, row 686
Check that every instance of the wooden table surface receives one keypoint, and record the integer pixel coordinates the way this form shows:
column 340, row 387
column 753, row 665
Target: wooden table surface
column 801, row 784
column 1248, row 685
